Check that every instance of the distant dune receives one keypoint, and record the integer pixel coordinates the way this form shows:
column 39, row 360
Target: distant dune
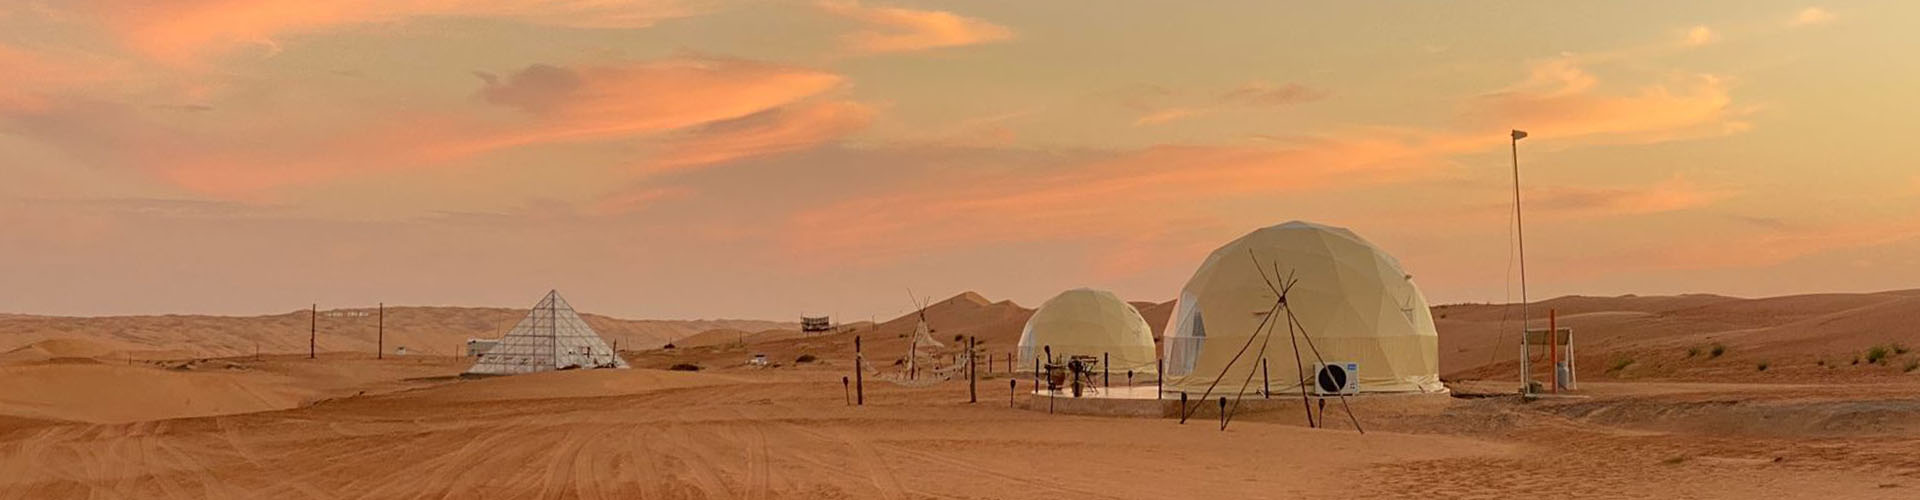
column 426, row 330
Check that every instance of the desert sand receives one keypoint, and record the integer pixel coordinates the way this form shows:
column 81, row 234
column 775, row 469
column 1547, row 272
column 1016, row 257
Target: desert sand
column 180, row 407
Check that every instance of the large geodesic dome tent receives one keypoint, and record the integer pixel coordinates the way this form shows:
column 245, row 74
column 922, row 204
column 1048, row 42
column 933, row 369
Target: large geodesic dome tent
column 1088, row 322
column 1352, row 299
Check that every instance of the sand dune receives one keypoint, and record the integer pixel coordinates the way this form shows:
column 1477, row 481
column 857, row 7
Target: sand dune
column 74, row 423
column 426, row 330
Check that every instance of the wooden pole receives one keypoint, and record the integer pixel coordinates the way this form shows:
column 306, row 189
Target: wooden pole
column 859, row 387
column 846, row 388
column 1106, row 373
column 313, row 330
column 973, row 376
column 1159, row 376
column 1266, row 388
column 1013, row 390
column 1183, row 407
column 380, row 349
column 1223, row 413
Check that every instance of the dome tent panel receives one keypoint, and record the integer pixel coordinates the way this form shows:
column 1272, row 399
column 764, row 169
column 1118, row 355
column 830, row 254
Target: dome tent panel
column 1087, row 322
column 1352, row 300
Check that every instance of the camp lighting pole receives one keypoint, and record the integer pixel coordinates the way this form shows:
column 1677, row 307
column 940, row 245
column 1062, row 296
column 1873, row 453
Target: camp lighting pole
column 1526, row 385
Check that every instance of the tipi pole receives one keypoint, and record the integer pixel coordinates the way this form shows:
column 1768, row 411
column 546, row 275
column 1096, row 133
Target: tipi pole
column 859, row 387
column 1266, row 387
column 1106, row 366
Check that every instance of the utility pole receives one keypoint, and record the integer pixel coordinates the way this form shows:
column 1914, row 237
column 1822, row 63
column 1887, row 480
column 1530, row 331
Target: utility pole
column 1520, row 233
column 313, row 329
column 380, row 349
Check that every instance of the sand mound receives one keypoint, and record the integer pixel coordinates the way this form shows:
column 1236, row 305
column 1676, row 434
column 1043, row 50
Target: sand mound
column 422, row 330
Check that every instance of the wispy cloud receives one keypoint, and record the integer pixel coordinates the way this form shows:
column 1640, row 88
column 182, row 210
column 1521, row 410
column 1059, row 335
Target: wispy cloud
column 183, row 31
column 1700, row 35
column 1810, row 16
column 897, row 29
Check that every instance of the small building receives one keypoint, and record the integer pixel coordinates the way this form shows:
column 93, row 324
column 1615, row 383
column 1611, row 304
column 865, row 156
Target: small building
column 477, row 347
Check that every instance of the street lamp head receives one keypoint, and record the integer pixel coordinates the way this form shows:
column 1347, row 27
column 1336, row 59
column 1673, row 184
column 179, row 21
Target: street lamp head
column 1519, row 134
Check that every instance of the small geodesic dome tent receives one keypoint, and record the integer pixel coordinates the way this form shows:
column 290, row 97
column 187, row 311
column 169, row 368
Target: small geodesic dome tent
column 1089, row 322
column 1352, row 300
column 550, row 337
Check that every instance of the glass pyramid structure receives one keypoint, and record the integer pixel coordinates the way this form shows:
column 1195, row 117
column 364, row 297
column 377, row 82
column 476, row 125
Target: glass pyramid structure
column 550, row 337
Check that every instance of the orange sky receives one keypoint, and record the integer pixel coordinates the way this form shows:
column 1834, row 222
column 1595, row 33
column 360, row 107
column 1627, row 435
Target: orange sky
column 694, row 158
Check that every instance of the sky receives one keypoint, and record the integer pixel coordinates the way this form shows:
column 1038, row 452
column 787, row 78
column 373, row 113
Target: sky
column 767, row 159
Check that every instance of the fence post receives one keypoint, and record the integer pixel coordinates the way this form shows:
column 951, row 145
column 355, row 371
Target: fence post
column 859, row 385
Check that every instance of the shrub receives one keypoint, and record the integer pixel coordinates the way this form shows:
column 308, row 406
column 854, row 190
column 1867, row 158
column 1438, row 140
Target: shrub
column 1761, row 367
column 1693, row 351
column 1620, row 364
column 669, row 346
column 1820, row 363
column 1877, row 354
column 805, row 358
column 1856, row 360
column 684, row 367
column 1912, row 365
column 1899, row 348
column 959, row 338
column 1716, row 351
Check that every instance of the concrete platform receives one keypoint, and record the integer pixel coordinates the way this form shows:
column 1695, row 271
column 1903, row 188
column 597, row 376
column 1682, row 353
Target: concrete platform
column 1138, row 401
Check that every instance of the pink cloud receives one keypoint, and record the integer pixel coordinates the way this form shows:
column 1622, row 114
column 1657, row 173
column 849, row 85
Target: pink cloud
column 184, row 30
column 598, row 103
column 773, row 131
column 1675, row 193
column 1561, row 99
column 895, row 29
column 546, row 105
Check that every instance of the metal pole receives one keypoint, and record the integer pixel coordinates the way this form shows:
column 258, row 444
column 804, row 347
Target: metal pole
column 859, row 386
column 1520, row 231
column 1553, row 353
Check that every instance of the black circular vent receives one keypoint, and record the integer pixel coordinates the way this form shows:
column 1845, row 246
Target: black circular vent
column 1332, row 378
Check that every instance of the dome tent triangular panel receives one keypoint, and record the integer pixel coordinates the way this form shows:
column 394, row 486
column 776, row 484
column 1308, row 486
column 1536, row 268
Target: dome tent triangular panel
column 550, row 337
column 1089, row 322
column 1352, row 299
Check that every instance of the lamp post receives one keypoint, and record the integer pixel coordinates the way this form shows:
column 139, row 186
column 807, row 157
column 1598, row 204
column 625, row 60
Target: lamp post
column 1526, row 382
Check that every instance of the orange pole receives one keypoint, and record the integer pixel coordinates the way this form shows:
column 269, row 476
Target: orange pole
column 1553, row 352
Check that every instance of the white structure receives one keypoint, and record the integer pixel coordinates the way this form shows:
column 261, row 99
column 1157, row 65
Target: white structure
column 1352, row 299
column 476, row 347
column 551, row 337
column 1088, row 322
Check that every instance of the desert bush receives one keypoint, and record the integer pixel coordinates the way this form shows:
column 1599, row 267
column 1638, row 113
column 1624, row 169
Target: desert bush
column 684, row 367
column 805, row 358
column 1898, row 348
column 1716, row 351
column 1761, row 367
column 1620, row 364
column 1693, row 351
column 1856, row 360
column 1877, row 354
column 1912, row 364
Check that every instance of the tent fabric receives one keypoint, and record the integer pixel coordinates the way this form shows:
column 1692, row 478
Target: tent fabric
column 551, row 337
column 1354, row 301
column 1089, row 322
